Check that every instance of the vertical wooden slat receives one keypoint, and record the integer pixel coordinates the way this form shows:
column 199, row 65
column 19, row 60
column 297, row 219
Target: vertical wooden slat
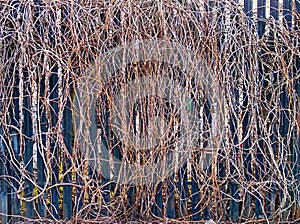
column 183, row 190
column 170, row 194
column 158, row 204
column 197, row 214
column 28, row 143
column 261, row 23
column 42, row 119
column 274, row 10
column 248, row 10
column 296, row 151
column 93, row 152
column 271, row 188
column 67, row 121
column 104, row 163
column 54, row 148
column 285, row 115
column 41, row 146
column 68, row 142
column 170, row 158
column 207, row 126
column 3, row 183
column 235, row 152
column 287, row 13
column 15, row 139
column 261, row 17
column 234, row 207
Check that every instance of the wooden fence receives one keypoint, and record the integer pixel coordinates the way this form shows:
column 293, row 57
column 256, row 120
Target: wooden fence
column 45, row 175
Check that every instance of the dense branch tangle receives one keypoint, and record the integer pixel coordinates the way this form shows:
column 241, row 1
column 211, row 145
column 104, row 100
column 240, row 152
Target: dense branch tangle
column 252, row 173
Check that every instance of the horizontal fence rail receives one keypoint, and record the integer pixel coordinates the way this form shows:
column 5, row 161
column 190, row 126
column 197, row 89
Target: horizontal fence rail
column 149, row 111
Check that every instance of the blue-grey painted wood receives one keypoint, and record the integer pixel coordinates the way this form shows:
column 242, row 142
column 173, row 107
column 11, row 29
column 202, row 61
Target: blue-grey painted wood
column 183, row 190
column 170, row 195
column 117, row 165
column 3, row 184
column 41, row 116
column 41, row 146
column 248, row 9
column 261, row 17
column 14, row 200
column 287, row 12
column 207, row 127
column 284, row 113
column 196, row 197
column 105, row 147
column 274, row 10
column 246, row 116
column 54, row 149
column 68, row 142
column 260, row 167
column 158, row 204
column 15, row 140
column 28, row 150
column 196, row 207
column 271, row 188
column 234, row 207
column 260, row 172
column 296, row 148
column 93, row 152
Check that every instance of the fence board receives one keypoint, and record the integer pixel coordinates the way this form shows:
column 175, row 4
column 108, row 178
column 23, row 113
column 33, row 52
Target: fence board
column 234, row 207
column 158, row 204
column 183, row 190
column 3, row 184
column 287, row 13
column 41, row 146
column 15, row 140
column 196, row 197
column 170, row 194
column 28, row 150
column 285, row 117
column 271, row 188
column 105, row 144
column 296, row 147
column 246, row 117
column 274, row 10
column 42, row 119
column 260, row 168
column 68, row 141
column 54, row 148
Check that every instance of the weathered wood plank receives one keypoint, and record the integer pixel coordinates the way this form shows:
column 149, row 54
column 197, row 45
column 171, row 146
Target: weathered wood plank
column 15, row 140
column 3, row 184
column 68, row 143
column 42, row 119
column 104, row 163
column 54, row 148
column 28, row 150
